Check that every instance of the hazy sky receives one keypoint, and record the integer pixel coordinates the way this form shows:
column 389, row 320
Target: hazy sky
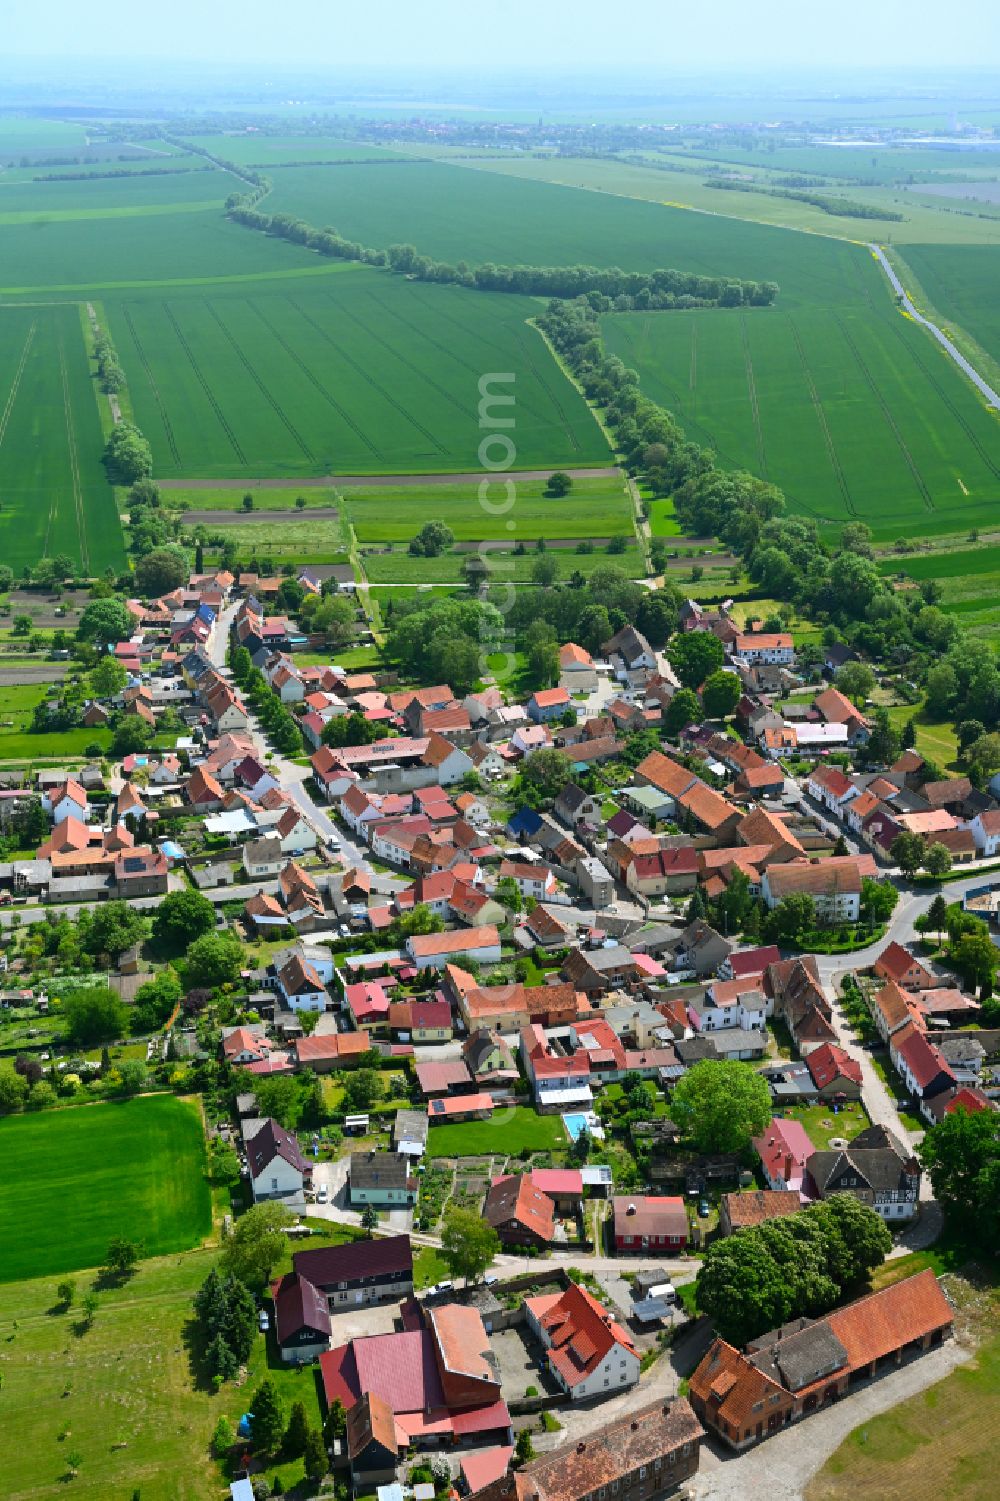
column 564, row 34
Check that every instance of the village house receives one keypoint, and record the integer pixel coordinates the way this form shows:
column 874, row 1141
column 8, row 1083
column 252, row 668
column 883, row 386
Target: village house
column 382, row 1179
column 647, row 1222
column 588, row 1353
column 277, row 1167
column 360, row 1272
column 874, row 1168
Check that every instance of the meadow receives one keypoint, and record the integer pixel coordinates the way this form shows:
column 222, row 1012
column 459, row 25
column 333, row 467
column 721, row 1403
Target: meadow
column 54, row 494
column 510, row 1133
column 353, row 372
column 398, row 567
column 852, row 413
column 132, row 1168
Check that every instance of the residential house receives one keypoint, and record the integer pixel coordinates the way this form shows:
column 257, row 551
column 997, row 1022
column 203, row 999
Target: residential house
column 300, row 986
column 382, row 1179
column 301, row 1318
column 897, row 964
column 784, row 1151
column 360, row 1272
column 435, row 950
column 648, row 1452
column 744, row 1211
column 520, row 1213
column 647, row 1223
column 875, row 1168
column 576, row 669
column 277, row 1167
column 588, row 1353
column 835, row 1074
column 986, row 832
column 775, row 649
column 919, row 1063
column 835, row 889
column 373, row 1443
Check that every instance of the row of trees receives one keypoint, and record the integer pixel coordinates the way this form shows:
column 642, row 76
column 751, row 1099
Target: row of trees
column 607, row 286
column 112, row 376
column 127, row 455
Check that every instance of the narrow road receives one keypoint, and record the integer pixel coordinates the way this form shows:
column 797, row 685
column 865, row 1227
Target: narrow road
column 982, row 386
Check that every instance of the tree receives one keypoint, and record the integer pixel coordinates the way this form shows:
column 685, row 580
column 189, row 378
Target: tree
column 857, row 1238
column 66, row 1292
column 180, row 918
column 134, row 1076
column 257, row 1243
column 878, row 900
column 369, row 1219
column 794, row 916
column 469, row 1244
column 937, row 914
column 908, row 852
column 962, row 1156
column 214, row 959
column 90, row 1303
column 937, row 861
column 720, row 1104
column 941, row 690
column 223, row 1438
column 544, row 571
column 683, row 709
column 742, row 1288
column 160, row 571
column 508, row 892
column 977, row 958
column 121, row 1257
column 884, row 741
column 545, row 773
column 155, row 1002
column 316, row 1461
column 335, row 1424
column 108, row 678
column 695, row 656
column 720, row 694
column 131, row 735
column 433, row 538
column 247, row 502
column 362, row 1089
column 297, row 1432
column 278, row 1097
column 856, row 681
column 524, row 1447
column 13, row 1092
column 127, row 455
column 736, row 903
column 115, row 927
column 559, row 484
column 983, row 756
column 93, row 1015
column 105, row 622
column 268, row 1421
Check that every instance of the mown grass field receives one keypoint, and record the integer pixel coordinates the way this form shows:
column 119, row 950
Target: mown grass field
column 398, row 567
column 358, row 372
column 510, row 1133
column 54, row 494
column 75, row 1178
column 853, row 414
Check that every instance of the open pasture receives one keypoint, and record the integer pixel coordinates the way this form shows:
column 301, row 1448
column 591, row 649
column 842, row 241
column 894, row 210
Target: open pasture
column 132, row 1168
column 854, row 415
column 355, row 372
column 54, row 495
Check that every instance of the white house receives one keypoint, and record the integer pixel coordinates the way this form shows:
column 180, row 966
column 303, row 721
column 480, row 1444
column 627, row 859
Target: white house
column 986, row 831
column 732, row 1003
column 829, row 786
column 295, row 833
column 300, row 985
column 67, row 801
column 277, row 1166
column 587, row 1351
column 777, row 650
column 835, row 889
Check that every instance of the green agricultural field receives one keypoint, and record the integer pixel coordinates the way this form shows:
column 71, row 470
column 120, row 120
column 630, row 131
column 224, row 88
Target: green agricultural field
column 942, row 565
column 398, row 567
column 75, row 1178
column 511, row 1132
column 963, row 285
column 29, row 135
column 854, row 414
column 252, row 148
column 352, row 372
column 456, row 212
column 595, row 508
column 878, row 164
column 38, row 203
column 54, row 494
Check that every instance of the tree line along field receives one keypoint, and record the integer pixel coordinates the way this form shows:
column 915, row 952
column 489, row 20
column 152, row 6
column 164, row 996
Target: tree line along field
column 853, row 413
column 74, row 1178
column 54, row 494
column 356, row 372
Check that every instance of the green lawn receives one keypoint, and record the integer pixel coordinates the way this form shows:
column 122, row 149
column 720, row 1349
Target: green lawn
column 72, row 1179
column 822, row 1126
column 509, row 1132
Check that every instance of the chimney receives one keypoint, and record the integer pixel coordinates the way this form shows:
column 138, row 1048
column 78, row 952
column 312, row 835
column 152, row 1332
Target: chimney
column 581, row 1446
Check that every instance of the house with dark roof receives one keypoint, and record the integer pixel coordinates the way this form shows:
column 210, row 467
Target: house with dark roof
column 277, row 1166
column 520, row 1213
column 383, row 1179
column 359, row 1272
column 875, row 1168
column 301, row 1318
column 373, row 1443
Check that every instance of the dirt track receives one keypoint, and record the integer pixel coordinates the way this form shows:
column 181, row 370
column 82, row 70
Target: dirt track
column 375, row 481
column 230, row 518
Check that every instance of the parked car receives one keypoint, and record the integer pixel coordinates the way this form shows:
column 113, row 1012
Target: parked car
column 263, row 1321
column 323, row 1193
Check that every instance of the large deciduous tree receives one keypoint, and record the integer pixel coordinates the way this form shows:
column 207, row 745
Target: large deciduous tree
column 720, row 1104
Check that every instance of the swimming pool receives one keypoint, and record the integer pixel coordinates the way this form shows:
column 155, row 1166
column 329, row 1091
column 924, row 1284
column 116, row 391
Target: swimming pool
column 583, row 1120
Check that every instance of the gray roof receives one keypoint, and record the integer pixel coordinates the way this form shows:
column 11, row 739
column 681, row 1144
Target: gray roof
column 378, row 1170
column 961, row 1049
column 801, row 1358
column 411, row 1124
